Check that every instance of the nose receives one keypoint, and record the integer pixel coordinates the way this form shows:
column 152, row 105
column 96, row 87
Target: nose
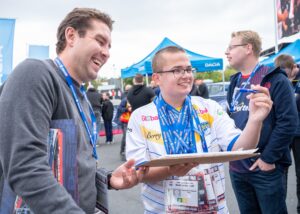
column 105, row 52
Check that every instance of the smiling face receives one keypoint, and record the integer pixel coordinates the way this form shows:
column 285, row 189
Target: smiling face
column 174, row 88
column 87, row 54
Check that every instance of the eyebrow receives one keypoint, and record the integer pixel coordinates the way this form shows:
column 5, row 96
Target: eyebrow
column 179, row 66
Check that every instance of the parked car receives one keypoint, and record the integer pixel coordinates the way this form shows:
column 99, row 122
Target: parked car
column 218, row 92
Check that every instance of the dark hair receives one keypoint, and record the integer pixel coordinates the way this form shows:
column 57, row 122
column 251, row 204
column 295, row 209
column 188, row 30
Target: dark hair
column 139, row 78
column 156, row 61
column 79, row 19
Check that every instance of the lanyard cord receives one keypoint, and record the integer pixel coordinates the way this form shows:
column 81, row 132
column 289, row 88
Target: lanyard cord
column 169, row 132
column 93, row 135
column 237, row 96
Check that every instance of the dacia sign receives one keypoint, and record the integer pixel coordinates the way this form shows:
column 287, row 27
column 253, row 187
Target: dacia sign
column 212, row 64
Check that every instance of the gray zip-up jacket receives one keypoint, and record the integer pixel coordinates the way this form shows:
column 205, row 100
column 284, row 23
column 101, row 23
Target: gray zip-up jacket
column 34, row 95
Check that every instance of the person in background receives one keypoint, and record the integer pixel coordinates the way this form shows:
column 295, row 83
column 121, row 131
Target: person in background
column 199, row 89
column 107, row 115
column 95, row 98
column 122, row 118
column 139, row 95
column 46, row 92
column 154, row 87
column 287, row 63
column 259, row 184
column 126, row 89
column 176, row 123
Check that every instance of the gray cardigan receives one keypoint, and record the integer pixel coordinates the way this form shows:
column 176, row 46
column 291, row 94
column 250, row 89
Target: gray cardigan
column 33, row 96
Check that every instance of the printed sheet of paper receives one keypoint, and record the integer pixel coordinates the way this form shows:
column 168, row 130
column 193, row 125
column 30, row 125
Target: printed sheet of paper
column 203, row 158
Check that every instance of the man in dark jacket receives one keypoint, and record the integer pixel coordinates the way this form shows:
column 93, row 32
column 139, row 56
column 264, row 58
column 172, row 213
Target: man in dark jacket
column 95, row 98
column 107, row 115
column 259, row 183
column 199, row 89
column 287, row 63
column 139, row 95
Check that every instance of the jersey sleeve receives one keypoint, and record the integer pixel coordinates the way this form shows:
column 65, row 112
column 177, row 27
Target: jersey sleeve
column 226, row 131
column 136, row 145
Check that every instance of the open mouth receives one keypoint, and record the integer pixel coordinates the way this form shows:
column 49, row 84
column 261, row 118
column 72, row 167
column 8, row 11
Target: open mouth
column 97, row 62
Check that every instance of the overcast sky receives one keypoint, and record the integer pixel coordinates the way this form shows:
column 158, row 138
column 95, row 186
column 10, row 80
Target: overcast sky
column 201, row 26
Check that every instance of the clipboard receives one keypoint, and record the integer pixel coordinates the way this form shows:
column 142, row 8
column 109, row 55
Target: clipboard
column 203, row 158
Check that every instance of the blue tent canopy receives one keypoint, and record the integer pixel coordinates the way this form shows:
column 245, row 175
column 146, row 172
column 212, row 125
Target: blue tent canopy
column 292, row 49
column 200, row 62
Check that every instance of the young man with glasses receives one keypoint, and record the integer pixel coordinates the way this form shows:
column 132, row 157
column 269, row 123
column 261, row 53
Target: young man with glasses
column 176, row 123
column 260, row 184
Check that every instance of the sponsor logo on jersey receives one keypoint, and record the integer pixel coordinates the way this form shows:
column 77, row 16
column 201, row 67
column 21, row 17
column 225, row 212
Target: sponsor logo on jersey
column 149, row 118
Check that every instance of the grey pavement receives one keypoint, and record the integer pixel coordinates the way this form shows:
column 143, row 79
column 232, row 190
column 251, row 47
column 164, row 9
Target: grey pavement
column 129, row 201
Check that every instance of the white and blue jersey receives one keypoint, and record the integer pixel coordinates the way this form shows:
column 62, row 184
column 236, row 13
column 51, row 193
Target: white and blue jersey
column 144, row 142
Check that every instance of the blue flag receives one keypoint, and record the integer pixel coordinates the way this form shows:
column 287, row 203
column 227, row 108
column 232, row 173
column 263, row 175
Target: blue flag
column 38, row 51
column 7, row 29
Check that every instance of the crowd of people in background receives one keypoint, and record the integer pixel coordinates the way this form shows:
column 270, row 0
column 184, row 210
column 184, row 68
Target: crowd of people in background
column 174, row 115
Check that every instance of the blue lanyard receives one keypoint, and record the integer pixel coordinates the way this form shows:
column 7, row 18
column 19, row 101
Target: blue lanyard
column 175, row 124
column 199, row 130
column 93, row 135
column 237, row 96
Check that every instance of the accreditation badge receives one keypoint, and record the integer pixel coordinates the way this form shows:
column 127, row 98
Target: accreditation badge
column 201, row 191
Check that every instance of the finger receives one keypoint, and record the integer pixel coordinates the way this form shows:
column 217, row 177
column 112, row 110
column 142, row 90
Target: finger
column 253, row 166
column 129, row 164
column 263, row 105
column 134, row 177
column 261, row 100
column 260, row 96
column 261, row 89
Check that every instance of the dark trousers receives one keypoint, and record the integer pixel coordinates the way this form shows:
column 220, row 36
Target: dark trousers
column 259, row 192
column 123, row 142
column 296, row 154
column 108, row 130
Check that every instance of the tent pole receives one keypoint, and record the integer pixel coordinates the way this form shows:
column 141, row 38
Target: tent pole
column 223, row 77
column 276, row 26
column 122, row 85
column 147, row 81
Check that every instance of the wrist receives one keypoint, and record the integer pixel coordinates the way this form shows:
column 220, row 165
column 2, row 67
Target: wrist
column 109, row 177
column 255, row 121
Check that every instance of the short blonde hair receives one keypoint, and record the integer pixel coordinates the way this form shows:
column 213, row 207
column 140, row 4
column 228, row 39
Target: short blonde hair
column 249, row 37
column 157, row 59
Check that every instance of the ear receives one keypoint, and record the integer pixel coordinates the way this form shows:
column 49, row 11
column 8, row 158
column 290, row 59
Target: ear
column 70, row 34
column 249, row 48
column 156, row 78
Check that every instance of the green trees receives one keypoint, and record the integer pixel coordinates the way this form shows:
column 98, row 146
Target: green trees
column 216, row 76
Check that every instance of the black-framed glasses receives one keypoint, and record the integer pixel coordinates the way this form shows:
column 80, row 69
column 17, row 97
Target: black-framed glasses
column 230, row 47
column 177, row 72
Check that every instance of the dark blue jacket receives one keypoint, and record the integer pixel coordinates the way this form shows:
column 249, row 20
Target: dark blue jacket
column 280, row 125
